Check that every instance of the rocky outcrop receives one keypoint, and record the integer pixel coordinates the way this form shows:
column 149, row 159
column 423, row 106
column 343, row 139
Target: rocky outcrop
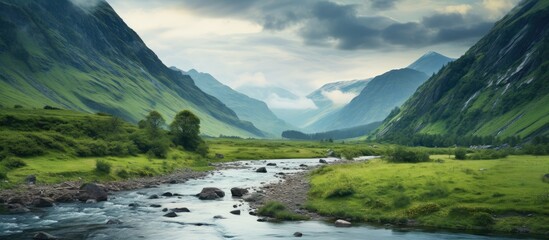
column 261, row 170
column 170, row 215
column 210, row 193
column 43, row 202
column 92, row 191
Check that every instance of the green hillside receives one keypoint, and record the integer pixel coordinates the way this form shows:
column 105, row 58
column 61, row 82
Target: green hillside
column 87, row 59
column 246, row 108
column 498, row 88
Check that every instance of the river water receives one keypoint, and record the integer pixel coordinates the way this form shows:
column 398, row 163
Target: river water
column 88, row 221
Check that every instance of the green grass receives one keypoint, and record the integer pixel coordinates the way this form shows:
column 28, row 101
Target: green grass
column 449, row 193
column 278, row 211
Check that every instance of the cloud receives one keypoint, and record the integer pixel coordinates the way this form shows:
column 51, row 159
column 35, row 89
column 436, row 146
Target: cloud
column 277, row 102
column 461, row 9
column 338, row 97
column 383, row 4
column 498, row 7
column 256, row 79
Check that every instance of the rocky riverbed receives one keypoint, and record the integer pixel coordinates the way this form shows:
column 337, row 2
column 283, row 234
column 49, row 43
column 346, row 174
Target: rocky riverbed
column 36, row 195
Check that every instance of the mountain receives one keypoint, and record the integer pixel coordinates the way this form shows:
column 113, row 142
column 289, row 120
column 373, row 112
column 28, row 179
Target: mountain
column 321, row 96
column 246, row 108
column 84, row 57
column 498, row 88
column 430, row 63
column 382, row 94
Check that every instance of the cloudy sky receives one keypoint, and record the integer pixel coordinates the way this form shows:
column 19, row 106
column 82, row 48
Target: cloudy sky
column 300, row 45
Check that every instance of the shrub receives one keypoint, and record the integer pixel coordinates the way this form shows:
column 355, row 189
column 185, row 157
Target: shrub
column 123, row 173
column 483, row 219
column 401, row 201
column 202, row 149
column 278, row 210
column 20, row 145
column 3, row 175
column 461, row 153
column 403, row 155
column 102, row 166
column 422, row 210
column 341, row 191
column 488, row 154
column 13, row 162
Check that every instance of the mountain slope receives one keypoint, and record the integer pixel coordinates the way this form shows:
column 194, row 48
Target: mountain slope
column 87, row 59
column 499, row 87
column 246, row 108
column 430, row 63
column 382, row 94
column 352, row 87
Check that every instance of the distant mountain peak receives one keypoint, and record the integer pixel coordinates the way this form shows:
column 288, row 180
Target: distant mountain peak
column 430, row 62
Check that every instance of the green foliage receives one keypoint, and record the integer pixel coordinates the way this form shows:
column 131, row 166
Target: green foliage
column 278, row 210
column 102, row 166
column 122, row 173
column 483, row 219
column 3, row 175
column 401, row 201
column 422, row 210
column 343, row 190
column 13, row 162
column 185, row 129
column 202, row 149
column 401, row 154
column 461, row 153
column 488, row 154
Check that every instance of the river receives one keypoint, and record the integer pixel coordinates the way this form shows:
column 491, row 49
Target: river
column 88, row 221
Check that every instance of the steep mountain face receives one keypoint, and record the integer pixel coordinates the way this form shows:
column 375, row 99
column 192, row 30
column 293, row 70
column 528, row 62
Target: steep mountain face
column 86, row 58
column 430, row 63
column 499, row 87
column 382, row 94
column 246, row 108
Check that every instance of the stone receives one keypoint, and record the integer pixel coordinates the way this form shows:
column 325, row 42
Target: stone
column 114, row 222
column 303, row 165
column 253, row 213
column 170, row 214
column 235, row 212
column 298, row 234
column 219, row 155
column 262, row 219
column 219, row 217
column 42, row 202
column 30, row 179
column 17, row 208
column 133, row 205
column 210, row 193
column 154, row 196
column 155, row 205
column 44, row 236
column 254, row 197
column 322, row 161
column 167, row 194
column 271, row 164
column 91, row 201
column 238, row 192
column 342, row 223
column 92, row 191
column 261, row 170
column 183, row 209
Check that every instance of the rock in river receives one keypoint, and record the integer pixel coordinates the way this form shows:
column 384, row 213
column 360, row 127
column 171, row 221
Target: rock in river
column 170, row 214
column 235, row 212
column 43, row 202
column 92, row 191
column 210, row 193
column 342, row 223
column 238, row 192
column 261, row 170
column 322, row 161
column 44, row 236
column 298, row 234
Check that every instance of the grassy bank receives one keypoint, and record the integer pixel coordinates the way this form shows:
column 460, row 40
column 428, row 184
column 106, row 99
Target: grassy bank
column 503, row 195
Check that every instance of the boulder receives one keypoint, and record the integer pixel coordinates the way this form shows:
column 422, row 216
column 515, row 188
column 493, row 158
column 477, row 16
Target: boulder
column 254, row 197
column 170, row 214
column 322, row 161
column 114, row 222
column 30, row 179
column 210, row 193
column 133, row 205
column 164, row 209
column 183, row 209
column 155, row 205
column 238, row 192
column 253, row 213
column 92, row 191
column 342, row 223
column 298, row 234
column 43, row 202
column 219, row 217
column 167, row 194
column 44, row 236
column 303, row 165
column 261, row 170
column 271, row 164
column 65, row 197
column 17, row 208
column 235, row 212
column 91, row 201
column 154, row 196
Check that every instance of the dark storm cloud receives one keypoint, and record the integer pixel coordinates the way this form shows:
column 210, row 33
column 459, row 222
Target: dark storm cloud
column 327, row 23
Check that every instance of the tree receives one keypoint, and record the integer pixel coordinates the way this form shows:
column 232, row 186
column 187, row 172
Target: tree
column 185, row 129
column 461, row 154
column 153, row 123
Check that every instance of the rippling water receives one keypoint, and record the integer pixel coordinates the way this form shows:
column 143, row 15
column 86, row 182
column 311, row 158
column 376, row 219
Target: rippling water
column 88, row 221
